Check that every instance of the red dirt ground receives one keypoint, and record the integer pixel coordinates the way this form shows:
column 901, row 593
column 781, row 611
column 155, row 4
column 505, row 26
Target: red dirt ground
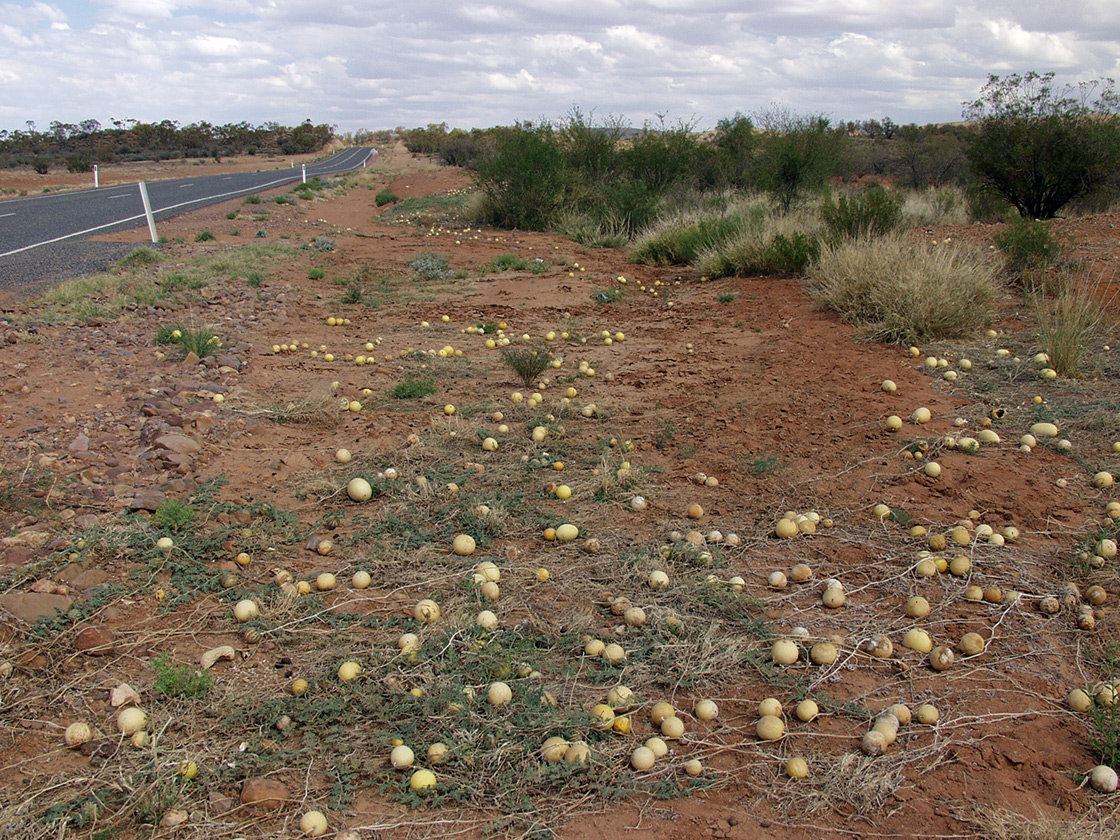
column 742, row 379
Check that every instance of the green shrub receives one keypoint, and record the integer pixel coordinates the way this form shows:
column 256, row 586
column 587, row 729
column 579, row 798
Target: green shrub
column 386, row 197
column 173, row 515
column 1027, row 245
column 527, row 362
column 205, row 236
column 872, row 212
column 797, row 154
column 430, row 265
column 899, row 290
column 139, row 257
column 316, row 274
column 181, row 680
column 252, row 199
column 523, row 179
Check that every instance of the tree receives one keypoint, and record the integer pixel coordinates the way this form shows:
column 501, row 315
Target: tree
column 1039, row 147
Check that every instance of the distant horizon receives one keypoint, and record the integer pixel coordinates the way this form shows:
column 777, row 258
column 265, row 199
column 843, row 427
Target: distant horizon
column 478, row 64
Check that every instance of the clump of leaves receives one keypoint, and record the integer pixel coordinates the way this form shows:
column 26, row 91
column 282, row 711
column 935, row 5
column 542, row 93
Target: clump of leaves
column 205, row 236
column 386, row 197
column 412, row 389
column 181, row 680
column 173, row 515
column 527, row 362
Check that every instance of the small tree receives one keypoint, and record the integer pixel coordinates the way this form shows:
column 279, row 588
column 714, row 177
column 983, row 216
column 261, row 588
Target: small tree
column 797, row 153
column 1039, row 147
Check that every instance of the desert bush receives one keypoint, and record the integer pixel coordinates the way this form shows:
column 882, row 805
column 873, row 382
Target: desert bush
column 1037, row 147
column 430, row 265
column 899, row 290
column 522, row 179
column 527, row 362
column 386, row 197
column 777, row 247
column 873, row 211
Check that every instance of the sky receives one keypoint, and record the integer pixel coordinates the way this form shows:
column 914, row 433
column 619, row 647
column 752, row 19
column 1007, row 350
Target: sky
column 475, row 64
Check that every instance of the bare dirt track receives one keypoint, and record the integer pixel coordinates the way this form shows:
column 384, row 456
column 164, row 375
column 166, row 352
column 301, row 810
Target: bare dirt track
column 742, row 380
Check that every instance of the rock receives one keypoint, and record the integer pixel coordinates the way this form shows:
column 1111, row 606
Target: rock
column 264, row 793
column 220, row 803
column 79, row 444
column 123, row 695
column 88, row 579
column 181, row 444
column 173, row 819
column 31, row 606
column 95, row 641
column 17, row 555
column 296, row 460
column 147, row 498
column 191, row 359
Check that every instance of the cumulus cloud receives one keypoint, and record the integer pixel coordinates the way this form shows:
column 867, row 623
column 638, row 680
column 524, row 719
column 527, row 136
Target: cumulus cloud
column 480, row 63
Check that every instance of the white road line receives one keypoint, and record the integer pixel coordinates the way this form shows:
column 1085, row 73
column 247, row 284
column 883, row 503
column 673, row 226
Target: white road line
column 5, row 215
column 184, row 186
column 115, row 197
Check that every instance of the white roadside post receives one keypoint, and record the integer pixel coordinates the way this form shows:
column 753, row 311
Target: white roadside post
column 303, row 167
column 95, row 183
column 148, row 211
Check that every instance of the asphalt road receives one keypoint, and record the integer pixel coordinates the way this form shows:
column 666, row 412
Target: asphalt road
column 28, row 224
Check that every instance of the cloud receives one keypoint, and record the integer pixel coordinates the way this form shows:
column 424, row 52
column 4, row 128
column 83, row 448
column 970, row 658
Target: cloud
column 371, row 64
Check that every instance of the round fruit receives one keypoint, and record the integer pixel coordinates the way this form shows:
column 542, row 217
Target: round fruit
column 402, row 757
column 499, row 694
column 422, row 780
column 642, row 758
column 349, row 671
column 359, row 490
column 245, row 610
column 313, row 824
column 797, row 768
column 131, row 719
column 770, row 728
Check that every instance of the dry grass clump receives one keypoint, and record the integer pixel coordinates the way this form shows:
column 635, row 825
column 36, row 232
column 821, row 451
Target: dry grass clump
column 682, row 236
column 899, row 290
column 1009, row 825
column 1069, row 321
column 935, row 206
column 779, row 246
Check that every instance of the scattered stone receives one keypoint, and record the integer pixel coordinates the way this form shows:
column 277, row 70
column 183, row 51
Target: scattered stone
column 123, row 695
column 95, row 641
column 220, row 803
column 264, row 793
column 181, row 444
column 29, row 607
column 149, row 498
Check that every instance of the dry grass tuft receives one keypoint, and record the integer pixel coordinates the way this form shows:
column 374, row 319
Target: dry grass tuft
column 1069, row 321
column 899, row 290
